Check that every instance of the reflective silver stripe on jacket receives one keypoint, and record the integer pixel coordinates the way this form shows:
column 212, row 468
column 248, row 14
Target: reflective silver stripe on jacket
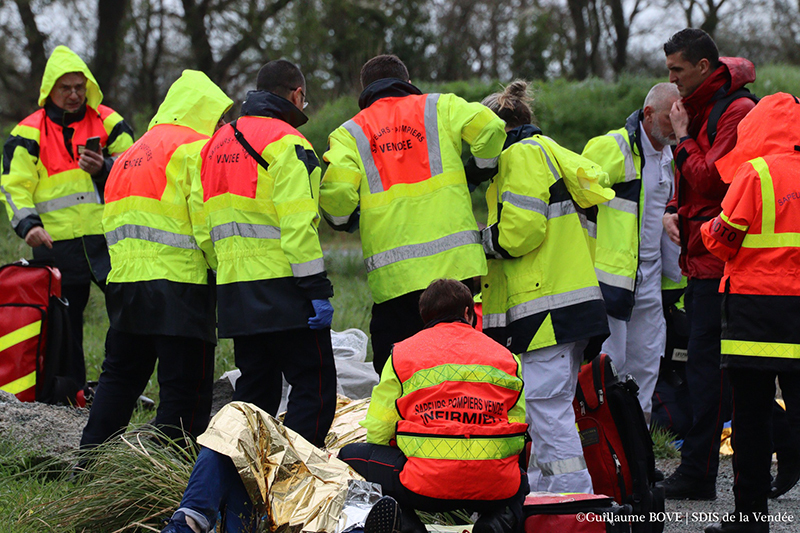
column 563, row 466
column 621, row 204
column 625, row 148
column 615, row 280
column 530, row 203
column 554, row 301
column 482, row 162
column 560, row 209
column 425, row 249
column 588, row 225
column 431, row 139
column 145, row 233
column 67, row 201
column 365, row 152
column 336, row 221
column 432, row 134
column 494, row 320
column 21, row 214
column 309, row 268
column 550, row 164
column 252, row 231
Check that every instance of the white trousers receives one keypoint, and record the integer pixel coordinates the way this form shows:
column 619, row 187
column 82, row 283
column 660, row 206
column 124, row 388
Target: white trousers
column 636, row 347
column 556, row 462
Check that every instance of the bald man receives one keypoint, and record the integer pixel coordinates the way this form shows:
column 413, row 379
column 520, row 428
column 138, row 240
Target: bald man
column 633, row 250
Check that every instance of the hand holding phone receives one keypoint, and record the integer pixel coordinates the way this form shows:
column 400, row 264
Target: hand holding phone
column 93, row 144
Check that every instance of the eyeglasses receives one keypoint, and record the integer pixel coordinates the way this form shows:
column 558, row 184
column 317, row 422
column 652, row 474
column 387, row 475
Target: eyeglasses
column 305, row 100
column 66, row 90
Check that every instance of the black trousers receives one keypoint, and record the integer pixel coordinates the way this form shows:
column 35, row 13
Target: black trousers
column 305, row 358
column 383, row 464
column 77, row 297
column 753, row 401
column 393, row 321
column 185, row 378
column 709, row 390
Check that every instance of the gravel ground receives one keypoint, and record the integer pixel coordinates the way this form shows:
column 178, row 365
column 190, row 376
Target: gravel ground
column 692, row 516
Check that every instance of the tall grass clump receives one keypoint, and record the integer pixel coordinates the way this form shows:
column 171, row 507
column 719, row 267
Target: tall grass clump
column 132, row 483
column 663, row 443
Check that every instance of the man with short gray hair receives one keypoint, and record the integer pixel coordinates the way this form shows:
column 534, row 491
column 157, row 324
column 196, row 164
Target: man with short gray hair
column 633, row 251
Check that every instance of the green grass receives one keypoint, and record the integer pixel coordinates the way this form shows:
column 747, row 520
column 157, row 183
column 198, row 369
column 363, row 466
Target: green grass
column 663, row 446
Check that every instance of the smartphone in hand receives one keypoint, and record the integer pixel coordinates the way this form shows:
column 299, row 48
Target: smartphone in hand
column 93, row 144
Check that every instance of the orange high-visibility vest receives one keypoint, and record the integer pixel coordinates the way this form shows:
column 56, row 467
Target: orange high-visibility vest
column 462, row 429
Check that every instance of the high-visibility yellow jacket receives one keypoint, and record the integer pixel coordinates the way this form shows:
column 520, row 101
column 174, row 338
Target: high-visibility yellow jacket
column 541, row 231
column 260, row 227
column 399, row 160
column 41, row 182
column 619, row 220
column 758, row 236
column 158, row 282
column 452, row 399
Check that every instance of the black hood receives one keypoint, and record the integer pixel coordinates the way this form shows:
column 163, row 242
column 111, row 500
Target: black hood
column 61, row 117
column 519, row 133
column 267, row 104
column 385, row 88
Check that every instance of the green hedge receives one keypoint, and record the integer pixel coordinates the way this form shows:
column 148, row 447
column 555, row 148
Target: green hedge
column 570, row 112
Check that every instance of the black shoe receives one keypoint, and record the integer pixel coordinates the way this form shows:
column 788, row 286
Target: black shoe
column 658, row 475
column 681, row 487
column 384, row 517
column 501, row 521
column 177, row 524
column 787, row 478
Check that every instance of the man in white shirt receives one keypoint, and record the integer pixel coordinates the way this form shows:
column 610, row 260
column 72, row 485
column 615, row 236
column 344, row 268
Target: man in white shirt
column 633, row 251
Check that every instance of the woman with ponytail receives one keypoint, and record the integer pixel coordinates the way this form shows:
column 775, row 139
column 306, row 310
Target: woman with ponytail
column 541, row 296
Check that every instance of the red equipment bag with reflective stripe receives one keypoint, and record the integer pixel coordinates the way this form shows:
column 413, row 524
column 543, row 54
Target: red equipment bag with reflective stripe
column 616, row 441
column 575, row 513
column 34, row 334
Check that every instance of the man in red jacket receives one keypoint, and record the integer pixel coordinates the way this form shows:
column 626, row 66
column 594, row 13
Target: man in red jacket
column 712, row 104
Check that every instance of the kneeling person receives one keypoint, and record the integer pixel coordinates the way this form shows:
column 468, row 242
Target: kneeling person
column 446, row 425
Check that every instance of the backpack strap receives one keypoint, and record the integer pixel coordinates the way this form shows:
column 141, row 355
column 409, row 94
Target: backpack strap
column 248, row 147
column 720, row 106
column 586, row 387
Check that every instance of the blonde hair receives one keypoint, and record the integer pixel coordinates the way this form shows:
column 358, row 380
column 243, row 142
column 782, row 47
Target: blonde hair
column 513, row 105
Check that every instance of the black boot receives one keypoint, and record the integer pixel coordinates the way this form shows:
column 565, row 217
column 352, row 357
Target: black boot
column 499, row 521
column 787, row 478
column 386, row 516
column 682, row 487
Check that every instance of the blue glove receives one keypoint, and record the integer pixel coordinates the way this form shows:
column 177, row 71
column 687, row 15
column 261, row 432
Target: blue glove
column 324, row 314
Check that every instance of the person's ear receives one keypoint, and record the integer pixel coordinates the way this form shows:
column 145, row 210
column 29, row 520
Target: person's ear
column 704, row 65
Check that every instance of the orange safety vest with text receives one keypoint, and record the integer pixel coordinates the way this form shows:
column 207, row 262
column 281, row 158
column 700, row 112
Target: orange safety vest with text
column 462, row 414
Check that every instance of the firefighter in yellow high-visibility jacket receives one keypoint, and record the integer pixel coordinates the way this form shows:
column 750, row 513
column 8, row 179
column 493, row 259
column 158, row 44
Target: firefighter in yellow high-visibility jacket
column 398, row 164
column 53, row 187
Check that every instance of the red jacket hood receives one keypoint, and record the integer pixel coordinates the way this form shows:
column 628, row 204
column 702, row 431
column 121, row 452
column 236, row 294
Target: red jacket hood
column 769, row 129
column 732, row 74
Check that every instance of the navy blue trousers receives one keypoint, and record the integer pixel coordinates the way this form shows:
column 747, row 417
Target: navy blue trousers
column 305, row 358
column 709, row 390
column 185, row 378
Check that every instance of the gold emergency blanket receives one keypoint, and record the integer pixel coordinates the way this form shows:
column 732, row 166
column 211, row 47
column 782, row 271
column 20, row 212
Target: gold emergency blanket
column 298, row 486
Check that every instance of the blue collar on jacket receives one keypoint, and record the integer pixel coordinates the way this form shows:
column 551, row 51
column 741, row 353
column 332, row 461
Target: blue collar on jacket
column 385, row 88
column 267, row 104
column 520, row 133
